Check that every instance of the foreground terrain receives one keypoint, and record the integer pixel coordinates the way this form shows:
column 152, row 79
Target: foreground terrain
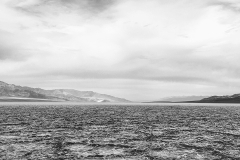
column 119, row 132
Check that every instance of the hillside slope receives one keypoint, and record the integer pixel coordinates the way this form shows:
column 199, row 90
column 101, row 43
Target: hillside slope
column 11, row 90
column 222, row 99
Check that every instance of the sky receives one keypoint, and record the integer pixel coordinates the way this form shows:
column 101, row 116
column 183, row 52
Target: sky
column 141, row 50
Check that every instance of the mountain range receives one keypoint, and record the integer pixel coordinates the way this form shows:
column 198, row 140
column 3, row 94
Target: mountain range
column 183, row 98
column 201, row 99
column 221, row 99
column 11, row 92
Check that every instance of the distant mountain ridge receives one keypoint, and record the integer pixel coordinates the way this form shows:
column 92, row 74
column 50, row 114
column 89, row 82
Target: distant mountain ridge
column 221, row 99
column 11, row 90
column 183, row 98
column 197, row 99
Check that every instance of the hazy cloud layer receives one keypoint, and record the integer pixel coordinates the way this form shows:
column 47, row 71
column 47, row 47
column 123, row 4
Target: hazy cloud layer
column 132, row 49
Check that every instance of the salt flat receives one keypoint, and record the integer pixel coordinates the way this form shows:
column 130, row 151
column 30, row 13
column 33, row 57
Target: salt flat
column 119, row 131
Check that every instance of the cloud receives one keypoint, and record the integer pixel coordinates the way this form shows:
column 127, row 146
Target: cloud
column 232, row 5
column 184, row 43
column 7, row 53
column 56, row 7
column 10, row 51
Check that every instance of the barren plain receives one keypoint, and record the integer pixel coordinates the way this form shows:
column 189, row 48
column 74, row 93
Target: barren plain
column 119, row 132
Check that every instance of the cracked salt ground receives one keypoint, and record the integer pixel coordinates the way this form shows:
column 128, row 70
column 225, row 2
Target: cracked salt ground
column 18, row 151
column 80, row 150
column 119, row 132
column 185, row 154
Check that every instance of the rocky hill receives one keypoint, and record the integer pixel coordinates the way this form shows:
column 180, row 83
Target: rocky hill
column 11, row 90
column 196, row 99
column 222, row 99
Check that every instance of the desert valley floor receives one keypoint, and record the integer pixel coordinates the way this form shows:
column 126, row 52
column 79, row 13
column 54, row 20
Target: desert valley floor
column 119, row 132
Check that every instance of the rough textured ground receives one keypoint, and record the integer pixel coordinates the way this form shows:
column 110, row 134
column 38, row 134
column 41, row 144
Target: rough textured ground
column 119, row 132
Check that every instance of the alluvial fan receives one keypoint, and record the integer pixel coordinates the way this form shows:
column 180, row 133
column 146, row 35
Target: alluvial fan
column 119, row 132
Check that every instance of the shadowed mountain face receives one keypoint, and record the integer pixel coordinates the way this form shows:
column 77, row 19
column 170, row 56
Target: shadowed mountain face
column 10, row 90
column 222, row 99
column 201, row 99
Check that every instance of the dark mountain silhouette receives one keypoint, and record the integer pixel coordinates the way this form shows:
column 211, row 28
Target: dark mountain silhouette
column 213, row 99
column 221, row 99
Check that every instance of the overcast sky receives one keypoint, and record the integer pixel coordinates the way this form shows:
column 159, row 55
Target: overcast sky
column 135, row 49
